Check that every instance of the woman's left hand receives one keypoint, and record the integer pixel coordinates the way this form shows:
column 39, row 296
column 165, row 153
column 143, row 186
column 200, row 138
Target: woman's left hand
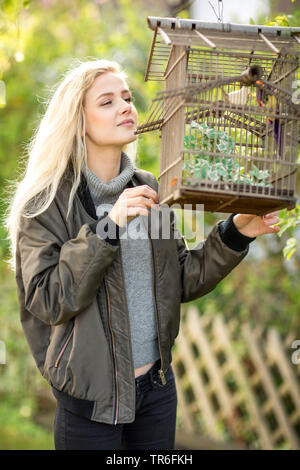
column 255, row 225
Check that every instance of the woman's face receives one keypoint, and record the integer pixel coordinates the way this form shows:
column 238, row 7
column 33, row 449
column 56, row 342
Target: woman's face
column 107, row 105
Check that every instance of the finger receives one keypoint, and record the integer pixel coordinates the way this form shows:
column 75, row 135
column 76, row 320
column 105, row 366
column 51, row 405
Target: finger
column 140, row 201
column 134, row 211
column 149, row 192
column 270, row 229
column 271, row 214
column 273, row 229
column 144, row 190
column 271, row 220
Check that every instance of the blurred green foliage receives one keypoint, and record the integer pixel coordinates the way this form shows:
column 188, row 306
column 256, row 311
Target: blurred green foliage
column 19, row 432
column 289, row 220
column 38, row 45
column 39, row 40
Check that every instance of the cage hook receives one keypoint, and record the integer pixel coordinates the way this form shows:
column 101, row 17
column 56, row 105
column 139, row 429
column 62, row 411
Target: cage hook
column 178, row 23
column 219, row 15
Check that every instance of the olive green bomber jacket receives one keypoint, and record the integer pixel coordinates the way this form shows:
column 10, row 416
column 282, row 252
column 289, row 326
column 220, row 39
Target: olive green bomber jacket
column 73, row 305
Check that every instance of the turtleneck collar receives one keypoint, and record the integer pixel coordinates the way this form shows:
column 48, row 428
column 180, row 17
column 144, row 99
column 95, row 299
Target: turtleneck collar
column 110, row 191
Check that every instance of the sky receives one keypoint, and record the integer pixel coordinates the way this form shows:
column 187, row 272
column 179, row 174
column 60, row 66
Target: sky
column 234, row 11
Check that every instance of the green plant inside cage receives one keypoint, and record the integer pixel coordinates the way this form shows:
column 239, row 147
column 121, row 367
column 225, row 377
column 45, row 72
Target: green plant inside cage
column 226, row 169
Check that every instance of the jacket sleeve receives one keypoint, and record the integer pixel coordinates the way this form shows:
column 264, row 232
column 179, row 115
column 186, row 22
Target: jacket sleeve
column 203, row 267
column 61, row 276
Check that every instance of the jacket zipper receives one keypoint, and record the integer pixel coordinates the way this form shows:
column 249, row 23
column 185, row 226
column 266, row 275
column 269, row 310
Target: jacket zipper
column 161, row 371
column 116, row 407
column 64, row 347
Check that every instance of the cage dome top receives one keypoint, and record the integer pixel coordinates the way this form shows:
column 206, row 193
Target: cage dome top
column 191, row 24
column 262, row 42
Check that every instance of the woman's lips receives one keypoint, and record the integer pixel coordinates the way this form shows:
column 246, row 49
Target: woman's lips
column 127, row 122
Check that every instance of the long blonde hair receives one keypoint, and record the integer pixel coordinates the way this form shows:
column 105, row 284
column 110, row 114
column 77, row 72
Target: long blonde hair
column 56, row 145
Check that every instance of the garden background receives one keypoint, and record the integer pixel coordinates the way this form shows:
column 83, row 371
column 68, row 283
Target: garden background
column 38, row 41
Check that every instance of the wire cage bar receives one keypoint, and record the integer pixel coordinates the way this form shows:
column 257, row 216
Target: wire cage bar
column 229, row 115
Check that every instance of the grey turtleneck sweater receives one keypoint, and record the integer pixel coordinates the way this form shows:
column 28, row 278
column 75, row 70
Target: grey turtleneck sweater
column 137, row 264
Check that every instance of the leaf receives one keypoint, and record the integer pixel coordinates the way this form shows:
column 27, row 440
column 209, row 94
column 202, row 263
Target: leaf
column 285, row 225
column 214, row 176
column 290, row 248
column 227, row 169
column 262, row 174
column 203, row 171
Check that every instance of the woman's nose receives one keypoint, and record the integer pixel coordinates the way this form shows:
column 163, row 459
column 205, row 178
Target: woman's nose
column 125, row 107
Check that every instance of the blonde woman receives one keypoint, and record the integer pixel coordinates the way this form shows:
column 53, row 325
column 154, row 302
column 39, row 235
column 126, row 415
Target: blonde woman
column 100, row 307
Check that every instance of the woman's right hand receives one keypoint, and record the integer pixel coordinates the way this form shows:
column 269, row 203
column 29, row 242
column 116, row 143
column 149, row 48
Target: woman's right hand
column 133, row 202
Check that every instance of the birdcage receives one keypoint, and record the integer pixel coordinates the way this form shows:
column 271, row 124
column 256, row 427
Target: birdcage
column 228, row 116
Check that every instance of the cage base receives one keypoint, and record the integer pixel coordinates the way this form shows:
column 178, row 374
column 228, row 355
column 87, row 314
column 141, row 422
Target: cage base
column 228, row 203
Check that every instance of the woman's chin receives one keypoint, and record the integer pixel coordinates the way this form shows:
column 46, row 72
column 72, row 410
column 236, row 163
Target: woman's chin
column 131, row 139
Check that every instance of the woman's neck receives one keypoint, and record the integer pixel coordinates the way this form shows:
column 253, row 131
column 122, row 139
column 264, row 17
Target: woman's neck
column 107, row 191
column 104, row 163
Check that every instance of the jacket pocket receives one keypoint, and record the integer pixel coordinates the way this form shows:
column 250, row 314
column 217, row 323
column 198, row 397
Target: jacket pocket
column 64, row 347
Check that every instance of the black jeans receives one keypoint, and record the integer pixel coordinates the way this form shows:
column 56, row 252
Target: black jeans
column 153, row 428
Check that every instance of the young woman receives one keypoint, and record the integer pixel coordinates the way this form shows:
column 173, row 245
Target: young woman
column 100, row 307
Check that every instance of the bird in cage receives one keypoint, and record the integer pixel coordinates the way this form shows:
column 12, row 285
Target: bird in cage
column 265, row 99
column 239, row 97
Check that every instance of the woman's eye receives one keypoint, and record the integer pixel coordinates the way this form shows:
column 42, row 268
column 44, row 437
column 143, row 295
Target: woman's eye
column 129, row 99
